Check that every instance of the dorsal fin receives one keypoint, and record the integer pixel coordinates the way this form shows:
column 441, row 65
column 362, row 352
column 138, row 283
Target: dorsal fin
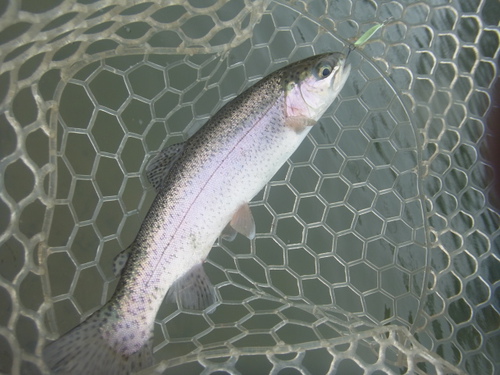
column 120, row 260
column 159, row 166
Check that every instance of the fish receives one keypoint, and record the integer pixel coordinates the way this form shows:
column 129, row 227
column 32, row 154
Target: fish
column 204, row 186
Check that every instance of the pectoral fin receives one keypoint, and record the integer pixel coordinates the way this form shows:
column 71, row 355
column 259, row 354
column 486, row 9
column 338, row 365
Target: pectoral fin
column 159, row 166
column 193, row 290
column 299, row 123
column 242, row 221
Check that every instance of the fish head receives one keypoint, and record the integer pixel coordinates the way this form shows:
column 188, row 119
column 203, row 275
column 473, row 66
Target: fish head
column 311, row 85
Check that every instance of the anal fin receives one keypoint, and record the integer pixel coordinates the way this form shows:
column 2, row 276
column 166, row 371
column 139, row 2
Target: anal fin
column 229, row 233
column 193, row 290
column 243, row 222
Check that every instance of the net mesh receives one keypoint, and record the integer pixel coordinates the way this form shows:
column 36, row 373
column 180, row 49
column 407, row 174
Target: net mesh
column 377, row 243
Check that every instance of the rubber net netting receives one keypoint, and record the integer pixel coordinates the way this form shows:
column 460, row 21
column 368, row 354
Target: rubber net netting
column 377, row 242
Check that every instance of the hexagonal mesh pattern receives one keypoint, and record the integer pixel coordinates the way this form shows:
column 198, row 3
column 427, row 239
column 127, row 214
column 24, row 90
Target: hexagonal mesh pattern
column 376, row 249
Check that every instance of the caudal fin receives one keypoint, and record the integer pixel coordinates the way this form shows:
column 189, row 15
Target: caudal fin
column 83, row 350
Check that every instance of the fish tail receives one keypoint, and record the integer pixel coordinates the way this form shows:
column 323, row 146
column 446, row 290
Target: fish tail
column 84, row 350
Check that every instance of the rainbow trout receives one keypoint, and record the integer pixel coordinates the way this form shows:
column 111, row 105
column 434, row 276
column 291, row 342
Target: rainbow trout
column 204, row 186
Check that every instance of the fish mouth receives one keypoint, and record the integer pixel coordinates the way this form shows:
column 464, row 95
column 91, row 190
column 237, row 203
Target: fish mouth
column 345, row 70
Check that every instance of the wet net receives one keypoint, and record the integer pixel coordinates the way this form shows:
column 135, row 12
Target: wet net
column 377, row 246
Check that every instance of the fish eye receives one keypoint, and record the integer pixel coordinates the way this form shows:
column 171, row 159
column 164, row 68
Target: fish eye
column 325, row 70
